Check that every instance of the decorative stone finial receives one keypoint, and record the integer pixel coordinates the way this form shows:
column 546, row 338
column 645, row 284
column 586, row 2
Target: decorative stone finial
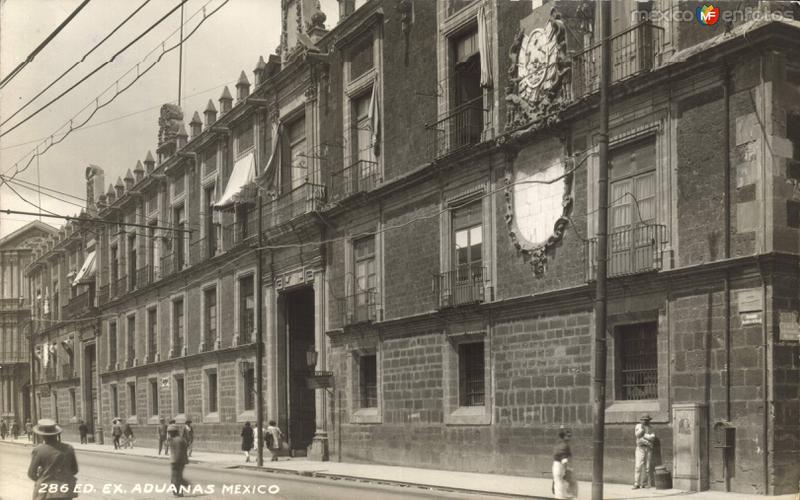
column 149, row 163
column 225, row 101
column 196, row 125
column 210, row 113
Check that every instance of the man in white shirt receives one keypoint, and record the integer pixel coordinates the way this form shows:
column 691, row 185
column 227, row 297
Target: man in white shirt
column 644, row 451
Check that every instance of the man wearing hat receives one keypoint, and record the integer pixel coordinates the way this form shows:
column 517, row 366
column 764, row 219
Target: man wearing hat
column 53, row 464
column 644, row 450
column 178, row 458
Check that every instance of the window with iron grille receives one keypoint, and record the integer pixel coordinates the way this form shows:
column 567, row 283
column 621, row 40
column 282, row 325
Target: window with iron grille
column 369, row 380
column 132, row 261
column 152, row 332
column 210, row 316
column 248, row 386
column 471, row 374
column 131, row 399
column 180, row 407
column 246, row 309
column 637, row 354
column 297, row 157
column 211, row 381
column 112, row 344
column 153, row 396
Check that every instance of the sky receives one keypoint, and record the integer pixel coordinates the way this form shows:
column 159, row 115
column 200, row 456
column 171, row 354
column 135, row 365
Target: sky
column 121, row 133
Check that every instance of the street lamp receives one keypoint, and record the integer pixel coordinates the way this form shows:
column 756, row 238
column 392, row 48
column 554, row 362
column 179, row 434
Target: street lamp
column 311, row 359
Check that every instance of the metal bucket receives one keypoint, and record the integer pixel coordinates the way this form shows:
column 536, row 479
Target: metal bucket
column 663, row 478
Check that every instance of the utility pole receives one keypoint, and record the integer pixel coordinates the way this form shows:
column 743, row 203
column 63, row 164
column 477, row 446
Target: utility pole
column 600, row 299
column 32, row 357
column 259, row 337
column 180, row 58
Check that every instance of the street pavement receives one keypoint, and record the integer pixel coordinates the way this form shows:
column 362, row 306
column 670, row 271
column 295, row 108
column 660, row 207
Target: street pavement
column 116, row 476
column 301, row 479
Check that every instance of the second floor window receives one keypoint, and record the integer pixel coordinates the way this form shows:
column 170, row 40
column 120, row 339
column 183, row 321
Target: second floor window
column 177, row 326
column 632, row 201
column 210, row 316
column 132, row 261
column 179, row 221
column 210, row 161
column 246, row 309
column 467, row 240
column 131, row 338
column 179, row 185
column 112, row 344
column 362, row 147
column 114, row 264
column 366, row 278
column 152, row 333
column 208, row 219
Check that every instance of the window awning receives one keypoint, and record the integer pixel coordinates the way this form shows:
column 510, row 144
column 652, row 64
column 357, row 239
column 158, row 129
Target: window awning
column 87, row 270
column 244, row 172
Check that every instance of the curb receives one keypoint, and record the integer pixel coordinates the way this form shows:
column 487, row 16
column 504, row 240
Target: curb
column 90, row 450
column 389, row 482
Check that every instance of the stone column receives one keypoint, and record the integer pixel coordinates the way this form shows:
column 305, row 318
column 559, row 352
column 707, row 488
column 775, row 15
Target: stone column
column 319, row 444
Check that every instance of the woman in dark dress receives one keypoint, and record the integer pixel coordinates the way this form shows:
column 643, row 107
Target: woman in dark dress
column 564, row 484
column 247, row 440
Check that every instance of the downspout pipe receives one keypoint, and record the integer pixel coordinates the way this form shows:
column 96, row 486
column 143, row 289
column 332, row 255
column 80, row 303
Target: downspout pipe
column 726, row 138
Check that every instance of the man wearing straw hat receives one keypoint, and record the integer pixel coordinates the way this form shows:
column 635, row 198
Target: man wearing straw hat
column 53, row 464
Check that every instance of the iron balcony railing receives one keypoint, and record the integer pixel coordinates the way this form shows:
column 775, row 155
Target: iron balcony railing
column 360, row 307
column 361, row 176
column 169, row 265
column 633, row 51
column 14, row 304
column 67, row 371
column 243, row 229
column 459, row 128
column 144, row 276
column 14, row 357
column 246, row 327
column 119, row 287
column 463, row 285
column 630, row 251
column 177, row 347
column 304, row 199
column 202, row 249
column 102, row 295
column 79, row 304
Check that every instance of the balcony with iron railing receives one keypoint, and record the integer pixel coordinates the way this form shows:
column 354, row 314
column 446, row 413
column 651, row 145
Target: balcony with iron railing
column 360, row 307
column 307, row 198
column 67, row 371
column 119, row 287
column 634, row 51
column 361, row 176
column 461, row 127
column 635, row 250
column 79, row 305
column 102, row 295
column 461, row 286
column 15, row 356
column 202, row 249
column 145, row 276
column 246, row 328
column 168, row 265
column 177, row 347
column 243, row 229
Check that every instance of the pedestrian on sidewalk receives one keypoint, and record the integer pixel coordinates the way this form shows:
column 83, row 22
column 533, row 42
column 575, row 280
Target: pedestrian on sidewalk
column 642, row 478
column 14, row 429
column 52, row 463
column 28, row 428
column 564, row 483
column 127, row 432
column 83, row 430
column 3, row 429
column 116, row 432
column 273, row 439
column 178, row 459
column 162, row 437
column 247, row 440
column 188, row 436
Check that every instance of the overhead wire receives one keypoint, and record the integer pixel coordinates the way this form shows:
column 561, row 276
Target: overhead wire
column 68, row 70
column 92, row 73
column 115, row 85
column 42, row 45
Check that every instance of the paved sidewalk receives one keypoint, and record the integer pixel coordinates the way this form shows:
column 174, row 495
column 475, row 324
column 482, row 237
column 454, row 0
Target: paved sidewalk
column 512, row 486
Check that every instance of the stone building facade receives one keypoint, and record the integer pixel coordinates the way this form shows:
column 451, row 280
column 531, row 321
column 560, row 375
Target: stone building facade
column 425, row 181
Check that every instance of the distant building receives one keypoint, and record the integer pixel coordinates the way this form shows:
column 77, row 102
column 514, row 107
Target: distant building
column 427, row 173
column 16, row 252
